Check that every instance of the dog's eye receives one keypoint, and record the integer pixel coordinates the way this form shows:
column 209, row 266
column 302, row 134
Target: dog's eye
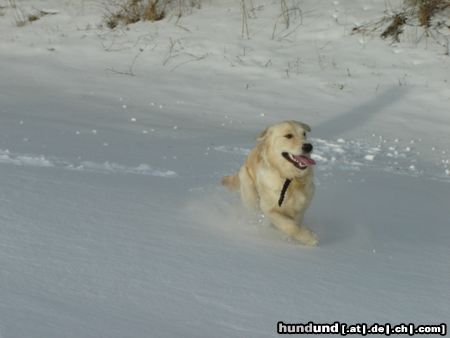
column 289, row 136
column 304, row 134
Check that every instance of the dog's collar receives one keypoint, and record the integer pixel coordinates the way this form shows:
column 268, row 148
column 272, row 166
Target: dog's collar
column 283, row 191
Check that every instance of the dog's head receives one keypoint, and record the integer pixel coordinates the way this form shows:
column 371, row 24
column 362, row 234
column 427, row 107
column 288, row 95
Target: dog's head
column 286, row 148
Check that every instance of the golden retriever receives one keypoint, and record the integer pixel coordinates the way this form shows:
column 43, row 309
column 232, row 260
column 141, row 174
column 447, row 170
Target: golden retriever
column 277, row 177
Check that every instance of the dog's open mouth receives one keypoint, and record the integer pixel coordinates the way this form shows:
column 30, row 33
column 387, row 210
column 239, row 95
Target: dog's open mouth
column 300, row 161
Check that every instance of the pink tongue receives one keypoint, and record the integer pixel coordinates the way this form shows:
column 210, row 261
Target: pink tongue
column 306, row 161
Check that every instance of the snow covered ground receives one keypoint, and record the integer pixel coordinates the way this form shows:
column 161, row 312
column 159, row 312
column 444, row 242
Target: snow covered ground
column 112, row 143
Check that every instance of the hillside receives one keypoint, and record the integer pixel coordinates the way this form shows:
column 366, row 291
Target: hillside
column 112, row 144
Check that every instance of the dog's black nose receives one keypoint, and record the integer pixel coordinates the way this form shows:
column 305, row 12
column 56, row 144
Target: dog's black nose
column 307, row 147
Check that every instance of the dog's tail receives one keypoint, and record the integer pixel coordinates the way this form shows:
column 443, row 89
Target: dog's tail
column 231, row 182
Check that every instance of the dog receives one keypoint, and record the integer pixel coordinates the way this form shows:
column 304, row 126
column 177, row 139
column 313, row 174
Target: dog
column 277, row 178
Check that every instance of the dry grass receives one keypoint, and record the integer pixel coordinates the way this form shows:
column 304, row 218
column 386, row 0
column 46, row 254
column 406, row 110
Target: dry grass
column 428, row 8
column 22, row 18
column 395, row 28
column 152, row 12
column 123, row 13
column 127, row 12
column 415, row 13
column 289, row 13
column 288, row 20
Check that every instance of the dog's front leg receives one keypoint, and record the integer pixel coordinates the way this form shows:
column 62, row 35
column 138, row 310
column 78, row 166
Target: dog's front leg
column 289, row 227
column 249, row 195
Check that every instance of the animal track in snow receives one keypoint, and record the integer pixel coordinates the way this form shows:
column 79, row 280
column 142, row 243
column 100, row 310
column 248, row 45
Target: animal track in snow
column 30, row 160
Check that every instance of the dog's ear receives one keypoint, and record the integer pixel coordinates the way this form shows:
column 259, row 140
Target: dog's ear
column 262, row 137
column 303, row 125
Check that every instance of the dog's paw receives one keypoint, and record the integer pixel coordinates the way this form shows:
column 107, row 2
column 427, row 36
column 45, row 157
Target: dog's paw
column 307, row 237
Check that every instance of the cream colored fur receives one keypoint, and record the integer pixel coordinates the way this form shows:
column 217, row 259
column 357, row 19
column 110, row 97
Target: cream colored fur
column 264, row 172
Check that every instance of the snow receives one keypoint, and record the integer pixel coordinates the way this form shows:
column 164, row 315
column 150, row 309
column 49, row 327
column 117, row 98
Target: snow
column 112, row 144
